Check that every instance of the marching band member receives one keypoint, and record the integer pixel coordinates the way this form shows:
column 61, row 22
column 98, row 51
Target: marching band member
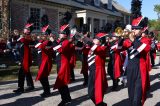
column 45, row 67
column 115, row 61
column 73, row 56
column 85, row 52
column 127, row 34
column 84, row 70
column 148, row 60
column 97, row 82
column 136, row 68
column 137, row 52
column 46, row 60
column 153, row 48
column 62, row 59
column 26, row 59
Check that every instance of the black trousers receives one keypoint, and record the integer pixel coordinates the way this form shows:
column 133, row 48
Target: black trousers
column 45, row 84
column 152, row 58
column 134, row 85
column 85, row 78
column 111, row 73
column 21, row 78
column 72, row 73
column 65, row 94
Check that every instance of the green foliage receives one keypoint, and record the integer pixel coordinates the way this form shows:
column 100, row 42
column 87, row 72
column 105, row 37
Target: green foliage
column 157, row 9
column 154, row 25
column 158, row 37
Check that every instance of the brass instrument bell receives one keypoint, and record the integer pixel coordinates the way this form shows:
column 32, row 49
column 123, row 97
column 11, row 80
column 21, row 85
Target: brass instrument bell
column 119, row 31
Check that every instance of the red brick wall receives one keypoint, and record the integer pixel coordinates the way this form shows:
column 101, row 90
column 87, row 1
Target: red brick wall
column 19, row 15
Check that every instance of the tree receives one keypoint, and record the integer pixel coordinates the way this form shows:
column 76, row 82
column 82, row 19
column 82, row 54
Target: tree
column 5, row 18
column 157, row 9
column 154, row 24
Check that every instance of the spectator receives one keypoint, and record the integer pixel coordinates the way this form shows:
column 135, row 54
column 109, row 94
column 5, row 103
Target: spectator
column 14, row 46
column 2, row 45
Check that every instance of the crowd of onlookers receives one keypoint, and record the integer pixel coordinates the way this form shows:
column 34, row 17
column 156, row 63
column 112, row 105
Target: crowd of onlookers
column 11, row 47
column 2, row 45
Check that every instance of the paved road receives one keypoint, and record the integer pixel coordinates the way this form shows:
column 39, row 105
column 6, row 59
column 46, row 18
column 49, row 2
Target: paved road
column 78, row 93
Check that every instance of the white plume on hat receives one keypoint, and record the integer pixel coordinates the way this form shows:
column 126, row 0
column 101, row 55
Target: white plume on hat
column 128, row 28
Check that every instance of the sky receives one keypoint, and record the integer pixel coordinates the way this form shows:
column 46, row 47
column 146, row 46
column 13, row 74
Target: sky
column 147, row 7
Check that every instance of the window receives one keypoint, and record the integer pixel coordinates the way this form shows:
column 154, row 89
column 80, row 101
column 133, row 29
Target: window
column 97, row 2
column 80, row 0
column 61, row 15
column 103, row 23
column 0, row 18
column 37, row 13
column 127, row 19
column 96, row 25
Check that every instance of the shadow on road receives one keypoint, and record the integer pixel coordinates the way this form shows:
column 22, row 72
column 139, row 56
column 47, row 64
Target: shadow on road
column 153, row 77
column 7, row 82
column 154, row 86
column 9, row 95
column 25, row 101
column 54, row 93
column 158, row 104
column 79, row 100
column 122, row 103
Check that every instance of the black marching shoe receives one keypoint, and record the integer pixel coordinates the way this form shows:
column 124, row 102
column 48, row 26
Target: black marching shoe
column 19, row 90
column 115, row 85
column 29, row 89
column 45, row 94
column 102, row 104
column 64, row 103
column 114, row 88
column 72, row 80
column 85, row 83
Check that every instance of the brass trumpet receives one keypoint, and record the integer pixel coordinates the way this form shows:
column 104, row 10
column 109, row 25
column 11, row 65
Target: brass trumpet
column 119, row 31
column 123, row 33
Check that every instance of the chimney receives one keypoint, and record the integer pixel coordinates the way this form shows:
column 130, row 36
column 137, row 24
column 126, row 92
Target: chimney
column 109, row 4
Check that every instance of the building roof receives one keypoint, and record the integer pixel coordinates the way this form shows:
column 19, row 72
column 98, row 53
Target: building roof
column 86, row 6
column 104, row 1
column 118, row 6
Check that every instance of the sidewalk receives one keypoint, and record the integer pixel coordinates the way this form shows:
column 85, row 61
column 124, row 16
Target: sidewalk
column 78, row 93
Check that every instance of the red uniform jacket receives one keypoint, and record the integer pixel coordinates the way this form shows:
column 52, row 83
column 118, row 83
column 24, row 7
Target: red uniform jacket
column 46, row 61
column 148, row 65
column 73, row 56
column 27, row 57
column 148, row 62
column 63, row 70
column 117, row 68
column 97, row 78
